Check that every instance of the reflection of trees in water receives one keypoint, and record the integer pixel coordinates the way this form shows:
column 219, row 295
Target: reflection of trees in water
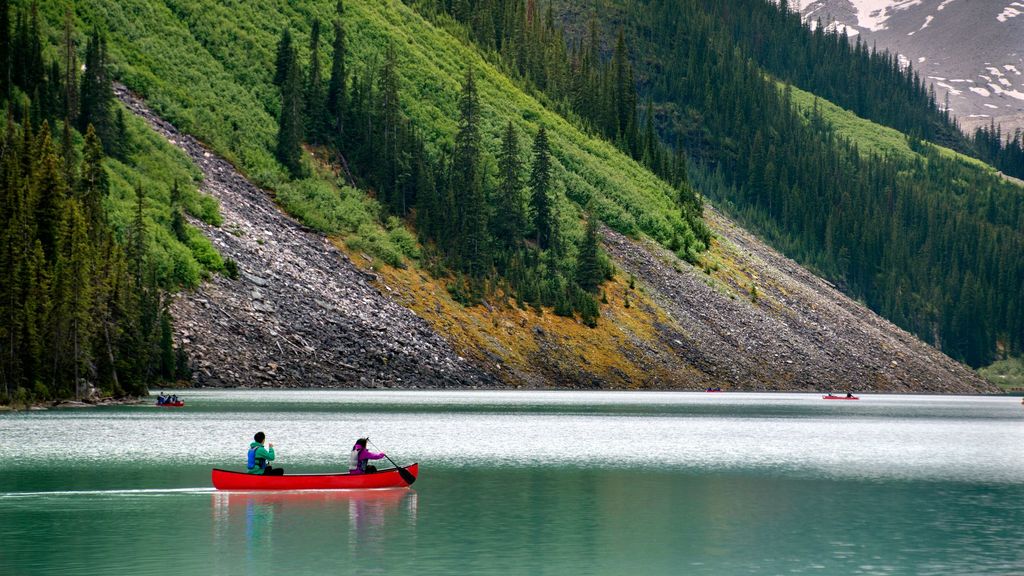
column 249, row 526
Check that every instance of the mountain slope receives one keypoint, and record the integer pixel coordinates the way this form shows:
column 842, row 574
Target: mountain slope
column 747, row 318
column 752, row 320
column 973, row 52
column 299, row 314
column 929, row 239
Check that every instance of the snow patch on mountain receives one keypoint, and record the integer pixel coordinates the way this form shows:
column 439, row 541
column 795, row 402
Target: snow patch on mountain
column 869, row 14
column 927, row 21
column 1012, row 11
column 999, row 90
column 957, row 45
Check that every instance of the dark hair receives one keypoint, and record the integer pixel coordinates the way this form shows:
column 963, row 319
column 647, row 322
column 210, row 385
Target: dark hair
column 259, row 437
column 362, row 442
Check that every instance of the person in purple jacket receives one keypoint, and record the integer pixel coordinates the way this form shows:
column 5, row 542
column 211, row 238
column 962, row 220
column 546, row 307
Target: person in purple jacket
column 359, row 456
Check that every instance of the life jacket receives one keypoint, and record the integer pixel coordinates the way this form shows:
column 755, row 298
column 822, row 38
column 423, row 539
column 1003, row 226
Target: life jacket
column 353, row 459
column 253, row 461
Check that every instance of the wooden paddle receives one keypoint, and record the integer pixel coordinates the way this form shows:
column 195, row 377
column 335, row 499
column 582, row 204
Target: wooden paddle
column 405, row 474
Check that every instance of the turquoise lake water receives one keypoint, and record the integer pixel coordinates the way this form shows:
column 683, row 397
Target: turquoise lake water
column 524, row 483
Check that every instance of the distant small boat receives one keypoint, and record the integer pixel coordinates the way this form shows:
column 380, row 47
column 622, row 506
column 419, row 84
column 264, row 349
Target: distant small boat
column 831, row 397
column 713, row 390
column 177, row 404
column 390, row 478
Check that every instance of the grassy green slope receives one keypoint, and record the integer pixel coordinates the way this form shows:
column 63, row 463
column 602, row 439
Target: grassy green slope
column 155, row 164
column 1008, row 374
column 867, row 135
column 207, row 66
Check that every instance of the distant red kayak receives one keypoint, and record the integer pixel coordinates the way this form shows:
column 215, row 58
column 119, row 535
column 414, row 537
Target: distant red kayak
column 830, row 397
column 177, row 404
column 390, row 478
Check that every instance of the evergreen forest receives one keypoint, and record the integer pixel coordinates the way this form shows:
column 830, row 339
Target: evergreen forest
column 924, row 234
column 93, row 232
column 488, row 149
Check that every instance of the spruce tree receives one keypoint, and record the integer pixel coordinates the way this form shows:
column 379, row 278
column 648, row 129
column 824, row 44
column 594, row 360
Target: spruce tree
column 166, row 346
column 337, row 88
column 73, row 285
column 468, row 183
column 388, row 116
column 178, row 225
column 509, row 217
column 97, row 92
column 314, row 97
column 31, row 58
column 94, row 184
column 49, row 193
column 285, row 54
column 70, row 66
column 588, row 265
column 5, row 48
column 137, row 241
column 289, row 135
column 540, row 184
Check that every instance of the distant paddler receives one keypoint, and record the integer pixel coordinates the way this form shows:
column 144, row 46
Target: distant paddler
column 259, row 457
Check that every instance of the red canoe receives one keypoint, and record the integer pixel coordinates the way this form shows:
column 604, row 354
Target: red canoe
column 390, row 478
column 840, row 398
column 177, row 404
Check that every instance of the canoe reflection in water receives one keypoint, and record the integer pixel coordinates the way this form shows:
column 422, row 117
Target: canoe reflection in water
column 266, row 523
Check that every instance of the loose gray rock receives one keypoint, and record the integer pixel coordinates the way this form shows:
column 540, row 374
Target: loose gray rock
column 300, row 314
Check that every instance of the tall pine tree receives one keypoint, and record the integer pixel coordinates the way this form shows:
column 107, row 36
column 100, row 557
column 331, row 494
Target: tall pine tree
column 289, row 134
column 540, row 185
column 468, row 183
column 509, row 215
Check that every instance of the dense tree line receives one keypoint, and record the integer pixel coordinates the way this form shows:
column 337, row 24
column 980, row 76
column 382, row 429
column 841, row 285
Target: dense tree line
column 932, row 243
column 1005, row 152
column 77, row 305
column 873, row 84
column 482, row 215
column 823, row 60
column 935, row 245
column 577, row 78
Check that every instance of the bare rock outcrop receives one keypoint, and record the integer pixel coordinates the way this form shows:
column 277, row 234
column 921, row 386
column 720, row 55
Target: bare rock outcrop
column 300, row 314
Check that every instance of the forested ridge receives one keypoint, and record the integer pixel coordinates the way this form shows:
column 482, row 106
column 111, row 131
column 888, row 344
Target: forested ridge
column 503, row 196
column 397, row 117
column 930, row 240
column 483, row 214
column 366, row 122
column 86, row 271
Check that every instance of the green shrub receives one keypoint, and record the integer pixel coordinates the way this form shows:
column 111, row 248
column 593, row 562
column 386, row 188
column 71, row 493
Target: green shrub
column 231, row 268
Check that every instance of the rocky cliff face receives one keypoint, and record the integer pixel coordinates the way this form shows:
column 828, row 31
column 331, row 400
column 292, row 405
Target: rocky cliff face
column 303, row 314
column 971, row 51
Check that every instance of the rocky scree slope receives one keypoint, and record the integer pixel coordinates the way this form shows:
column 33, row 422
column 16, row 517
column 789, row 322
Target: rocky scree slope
column 299, row 314
column 302, row 314
column 798, row 333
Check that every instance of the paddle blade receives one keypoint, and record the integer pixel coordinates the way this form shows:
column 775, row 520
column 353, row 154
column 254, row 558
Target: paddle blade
column 407, row 476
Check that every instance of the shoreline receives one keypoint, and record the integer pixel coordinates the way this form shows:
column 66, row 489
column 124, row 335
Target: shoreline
column 66, row 404
column 567, row 389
